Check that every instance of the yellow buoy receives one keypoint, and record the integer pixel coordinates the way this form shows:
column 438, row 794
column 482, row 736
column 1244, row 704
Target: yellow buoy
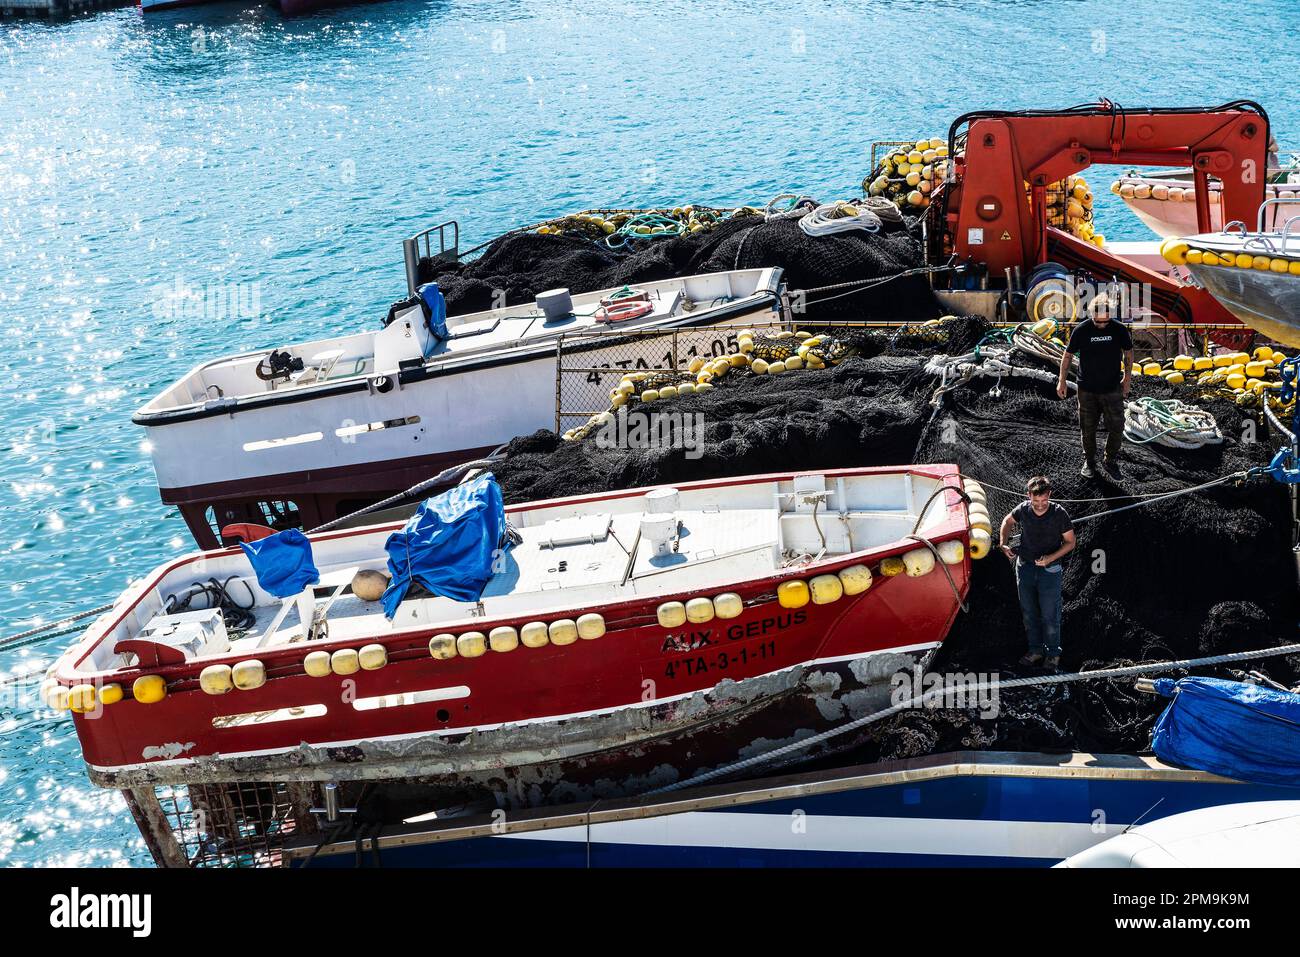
column 668, row 392
column 794, row 362
column 55, row 696
column 775, row 368
column 699, row 610
column 248, row 675
column 1183, row 363
column 918, row 562
column 111, row 693
column 826, row 589
column 1201, row 363
column 534, row 635
column 649, row 395
column 441, row 646
column 149, row 689
column 1151, row 368
column 728, row 605
column 981, row 543
column 855, row 579
column 372, row 657
column 472, row 644
column 590, row 626
column 671, row 614
column 317, row 664
column 563, row 632
column 891, row 566
column 792, row 594
column 952, row 552
column 81, row 698
column 345, row 661
column 369, row 585
column 216, row 679
column 503, row 639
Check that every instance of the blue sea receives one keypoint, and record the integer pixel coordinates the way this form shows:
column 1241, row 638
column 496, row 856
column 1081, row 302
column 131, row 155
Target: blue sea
column 280, row 162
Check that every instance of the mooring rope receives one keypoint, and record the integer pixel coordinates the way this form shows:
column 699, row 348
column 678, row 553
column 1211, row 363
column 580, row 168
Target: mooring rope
column 446, row 475
column 16, row 640
column 920, row 700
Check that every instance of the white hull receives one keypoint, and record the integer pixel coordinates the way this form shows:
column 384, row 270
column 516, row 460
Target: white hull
column 373, row 417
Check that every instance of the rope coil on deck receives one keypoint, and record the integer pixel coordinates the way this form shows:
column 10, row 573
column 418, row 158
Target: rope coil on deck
column 1171, row 423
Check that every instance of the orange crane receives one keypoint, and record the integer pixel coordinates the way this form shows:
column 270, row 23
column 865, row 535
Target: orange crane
column 992, row 210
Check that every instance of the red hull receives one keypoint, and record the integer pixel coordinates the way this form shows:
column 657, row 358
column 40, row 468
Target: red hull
column 636, row 683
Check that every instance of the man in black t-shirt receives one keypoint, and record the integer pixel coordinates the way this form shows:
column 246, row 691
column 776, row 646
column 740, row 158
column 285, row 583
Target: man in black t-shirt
column 1046, row 536
column 1105, row 351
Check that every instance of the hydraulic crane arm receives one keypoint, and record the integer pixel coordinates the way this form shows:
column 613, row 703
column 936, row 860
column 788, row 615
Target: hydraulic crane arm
column 994, row 207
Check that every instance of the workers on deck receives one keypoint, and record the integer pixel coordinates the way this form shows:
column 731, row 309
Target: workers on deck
column 1105, row 350
column 1046, row 537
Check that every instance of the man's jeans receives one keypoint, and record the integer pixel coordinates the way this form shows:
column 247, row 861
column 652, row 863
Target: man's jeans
column 1094, row 406
column 1040, row 604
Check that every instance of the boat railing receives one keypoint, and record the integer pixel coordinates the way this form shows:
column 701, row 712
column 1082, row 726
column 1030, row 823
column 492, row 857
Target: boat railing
column 421, row 245
column 1275, row 201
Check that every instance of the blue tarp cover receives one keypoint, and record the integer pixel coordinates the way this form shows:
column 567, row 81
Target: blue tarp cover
column 1239, row 730
column 282, row 562
column 449, row 544
column 436, row 306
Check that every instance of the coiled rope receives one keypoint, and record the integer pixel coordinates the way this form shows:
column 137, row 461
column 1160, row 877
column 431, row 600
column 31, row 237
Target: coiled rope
column 840, row 217
column 1171, row 423
column 937, row 692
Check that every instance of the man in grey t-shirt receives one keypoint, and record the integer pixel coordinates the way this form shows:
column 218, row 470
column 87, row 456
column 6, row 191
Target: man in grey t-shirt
column 1046, row 536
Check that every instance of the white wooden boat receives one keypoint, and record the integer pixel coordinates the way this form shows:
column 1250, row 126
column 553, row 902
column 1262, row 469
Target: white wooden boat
column 336, row 424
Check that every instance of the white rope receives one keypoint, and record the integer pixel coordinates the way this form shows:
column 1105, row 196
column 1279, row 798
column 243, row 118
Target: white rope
column 1171, row 423
column 939, row 691
column 839, row 217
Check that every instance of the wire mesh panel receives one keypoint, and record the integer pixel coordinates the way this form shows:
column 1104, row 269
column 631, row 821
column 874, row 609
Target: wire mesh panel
column 589, row 366
column 222, row 825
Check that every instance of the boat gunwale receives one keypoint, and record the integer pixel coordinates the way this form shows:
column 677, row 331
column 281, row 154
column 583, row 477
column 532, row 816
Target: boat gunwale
column 407, row 638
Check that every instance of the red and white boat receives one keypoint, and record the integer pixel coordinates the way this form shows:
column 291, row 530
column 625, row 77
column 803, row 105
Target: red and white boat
column 302, row 435
column 631, row 638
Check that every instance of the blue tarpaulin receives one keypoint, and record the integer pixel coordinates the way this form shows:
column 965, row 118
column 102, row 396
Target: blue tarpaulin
column 1239, row 730
column 435, row 309
column 282, row 562
column 449, row 545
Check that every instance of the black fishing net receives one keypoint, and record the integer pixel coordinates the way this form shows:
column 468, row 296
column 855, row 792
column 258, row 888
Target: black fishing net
column 516, row 267
column 1194, row 575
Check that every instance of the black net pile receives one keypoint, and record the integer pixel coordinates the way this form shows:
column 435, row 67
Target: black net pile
column 1190, row 576
column 521, row 265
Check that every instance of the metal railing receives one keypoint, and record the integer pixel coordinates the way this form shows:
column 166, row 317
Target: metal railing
column 421, row 245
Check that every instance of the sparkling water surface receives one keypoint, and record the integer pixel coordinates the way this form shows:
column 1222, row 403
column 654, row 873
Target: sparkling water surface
column 225, row 147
